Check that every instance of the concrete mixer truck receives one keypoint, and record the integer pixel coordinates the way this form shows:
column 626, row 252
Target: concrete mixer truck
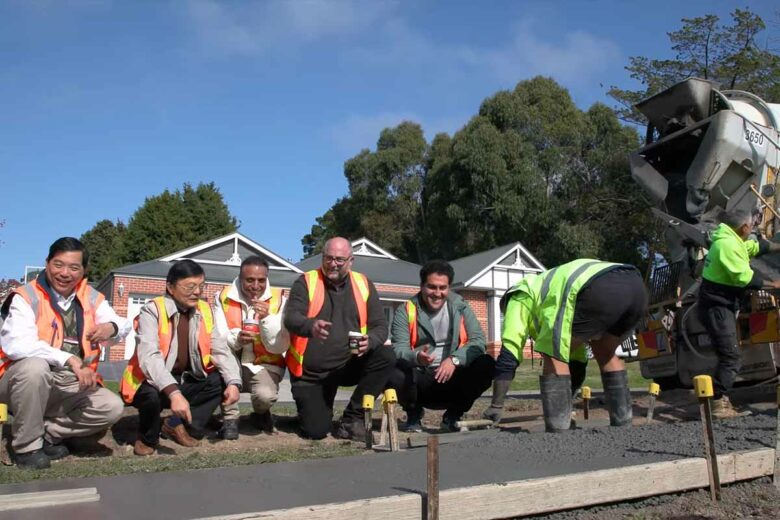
column 707, row 150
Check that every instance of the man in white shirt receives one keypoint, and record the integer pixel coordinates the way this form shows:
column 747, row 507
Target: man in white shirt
column 49, row 352
column 250, row 297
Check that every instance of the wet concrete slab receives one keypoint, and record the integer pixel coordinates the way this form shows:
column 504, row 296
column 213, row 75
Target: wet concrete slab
column 476, row 458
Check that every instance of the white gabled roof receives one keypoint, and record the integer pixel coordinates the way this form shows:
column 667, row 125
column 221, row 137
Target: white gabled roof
column 235, row 259
column 364, row 247
column 471, row 268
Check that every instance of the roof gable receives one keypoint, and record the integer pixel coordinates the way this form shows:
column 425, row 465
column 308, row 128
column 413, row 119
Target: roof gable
column 364, row 247
column 230, row 250
column 510, row 257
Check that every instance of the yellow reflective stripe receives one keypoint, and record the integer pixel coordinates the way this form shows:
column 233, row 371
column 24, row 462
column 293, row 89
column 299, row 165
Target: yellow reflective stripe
column 205, row 312
column 164, row 326
column 206, row 360
column 311, row 282
column 223, row 298
column 411, row 311
column 268, row 358
column 295, row 354
column 362, row 283
column 131, row 379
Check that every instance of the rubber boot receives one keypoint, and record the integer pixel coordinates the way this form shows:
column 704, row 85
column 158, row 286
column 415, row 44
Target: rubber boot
column 556, row 402
column 578, row 370
column 496, row 408
column 618, row 397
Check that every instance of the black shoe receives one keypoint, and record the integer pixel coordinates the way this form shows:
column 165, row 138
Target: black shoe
column 448, row 423
column 55, row 451
column 229, row 431
column 353, row 430
column 414, row 420
column 33, row 460
column 263, row 421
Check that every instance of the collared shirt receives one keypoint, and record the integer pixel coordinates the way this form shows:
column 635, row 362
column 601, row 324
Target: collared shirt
column 19, row 335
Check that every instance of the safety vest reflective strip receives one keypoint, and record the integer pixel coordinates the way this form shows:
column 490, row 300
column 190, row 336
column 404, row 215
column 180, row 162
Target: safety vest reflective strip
column 411, row 311
column 315, row 286
column 133, row 376
column 49, row 322
column 235, row 319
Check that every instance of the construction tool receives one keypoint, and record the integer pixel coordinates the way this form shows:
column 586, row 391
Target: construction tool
column 586, row 401
column 4, row 457
column 654, row 390
column 390, row 400
column 474, row 423
column 368, row 407
column 432, row 474
column 703, row 388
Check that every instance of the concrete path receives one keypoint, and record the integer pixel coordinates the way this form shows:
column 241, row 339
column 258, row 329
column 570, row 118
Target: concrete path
column 478, row 458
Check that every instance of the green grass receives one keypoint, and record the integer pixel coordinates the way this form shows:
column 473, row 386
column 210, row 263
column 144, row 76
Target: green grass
column 527, row 377
column 110, row 466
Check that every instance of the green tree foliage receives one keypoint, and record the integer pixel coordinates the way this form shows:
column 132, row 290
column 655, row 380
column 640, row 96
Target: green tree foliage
column 733, row 55
column 529, row 167
column 164, row 224
column 384, row 194
column 172, row 221
column 104, row 243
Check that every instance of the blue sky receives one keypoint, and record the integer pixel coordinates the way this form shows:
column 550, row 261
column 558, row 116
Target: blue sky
column 106, row 102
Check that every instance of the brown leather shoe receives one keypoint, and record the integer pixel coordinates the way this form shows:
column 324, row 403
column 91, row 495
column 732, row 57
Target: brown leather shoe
column 141, row 449
column 179, row 435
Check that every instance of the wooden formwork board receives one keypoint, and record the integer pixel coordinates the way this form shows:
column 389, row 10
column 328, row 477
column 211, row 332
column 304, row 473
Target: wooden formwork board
column 15, row 501
column 542, row 495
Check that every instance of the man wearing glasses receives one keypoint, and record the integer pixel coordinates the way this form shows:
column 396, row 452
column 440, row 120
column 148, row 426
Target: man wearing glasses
column 51, row 339
column 326, row 306
column 178, row 364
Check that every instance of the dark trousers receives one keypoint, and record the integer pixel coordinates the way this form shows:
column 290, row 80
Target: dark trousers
column 417, row 387
column 314, row 399
column 721, row 324
column 203, row 395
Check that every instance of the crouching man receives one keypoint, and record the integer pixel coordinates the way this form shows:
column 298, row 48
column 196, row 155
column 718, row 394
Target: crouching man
column 50, row 339
column 177, row 365
column 584, row 301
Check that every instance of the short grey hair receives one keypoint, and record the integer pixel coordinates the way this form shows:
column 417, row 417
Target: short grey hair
column 736, row 218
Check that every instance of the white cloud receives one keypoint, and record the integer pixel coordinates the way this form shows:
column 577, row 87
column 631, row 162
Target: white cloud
column 571, row 59
column 260, row 27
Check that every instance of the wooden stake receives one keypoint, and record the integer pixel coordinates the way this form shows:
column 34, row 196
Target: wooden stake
column 703, row 388
column 432, row 501
column 776, row 476
column 368, row 407
column 390, row 400
column 654, row 390
column 586, row 394
column 5, row 458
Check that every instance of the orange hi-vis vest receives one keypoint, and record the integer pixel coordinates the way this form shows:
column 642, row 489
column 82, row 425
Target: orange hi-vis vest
column 49, row 322
column 133, row 376
column 315, row 284
column 235, row 320
column 411, row 311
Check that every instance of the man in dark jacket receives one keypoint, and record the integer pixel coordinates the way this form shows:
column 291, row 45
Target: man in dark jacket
column 440, row 348
column 325, row 305
column 727, row 274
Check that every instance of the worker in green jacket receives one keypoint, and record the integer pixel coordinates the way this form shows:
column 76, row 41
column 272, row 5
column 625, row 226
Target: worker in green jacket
column 726, row 277
column 584, row 301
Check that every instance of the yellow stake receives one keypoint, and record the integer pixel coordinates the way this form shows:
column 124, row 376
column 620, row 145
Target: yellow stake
column 392, row 425
column 586, row 401
column 654, row 390
column 702, row 386
column 368, row 407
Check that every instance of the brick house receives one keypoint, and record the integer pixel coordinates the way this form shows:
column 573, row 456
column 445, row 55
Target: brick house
column 481, row 278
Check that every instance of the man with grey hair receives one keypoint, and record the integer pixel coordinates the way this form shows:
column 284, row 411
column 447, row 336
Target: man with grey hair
column 727, row 275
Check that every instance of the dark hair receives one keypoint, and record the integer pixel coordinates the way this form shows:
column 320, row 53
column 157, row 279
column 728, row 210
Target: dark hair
column 254, row 260
column 184, row 269
column 437, row 267
column 736, row 218
column 66, row 245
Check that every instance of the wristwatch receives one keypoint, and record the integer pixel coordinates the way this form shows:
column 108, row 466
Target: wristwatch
column 455, row 361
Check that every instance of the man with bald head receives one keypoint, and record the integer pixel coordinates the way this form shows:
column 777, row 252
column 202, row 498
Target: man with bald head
column 325, row 306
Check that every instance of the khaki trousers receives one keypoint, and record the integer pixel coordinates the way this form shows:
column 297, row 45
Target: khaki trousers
column 47, row 403
column 263, row 388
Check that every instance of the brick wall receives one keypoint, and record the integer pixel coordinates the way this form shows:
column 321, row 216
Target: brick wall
column 479, row 304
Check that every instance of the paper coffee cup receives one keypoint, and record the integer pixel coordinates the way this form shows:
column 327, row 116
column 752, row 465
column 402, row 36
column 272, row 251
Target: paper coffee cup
column 354, row 337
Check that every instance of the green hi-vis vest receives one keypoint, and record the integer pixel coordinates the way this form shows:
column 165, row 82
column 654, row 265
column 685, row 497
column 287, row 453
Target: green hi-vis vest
column 549, row 317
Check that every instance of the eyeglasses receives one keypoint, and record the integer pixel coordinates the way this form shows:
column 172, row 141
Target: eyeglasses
column 192, row 288
column 338, row 260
